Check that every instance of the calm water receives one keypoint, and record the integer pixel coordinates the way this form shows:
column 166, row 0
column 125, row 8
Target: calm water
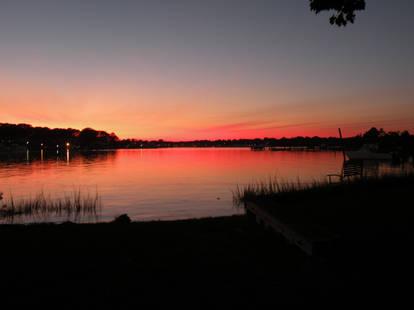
column 152, row 184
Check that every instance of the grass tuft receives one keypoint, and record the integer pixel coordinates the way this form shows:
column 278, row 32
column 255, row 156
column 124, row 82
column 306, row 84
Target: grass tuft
column 75, row 205
column 275, row 191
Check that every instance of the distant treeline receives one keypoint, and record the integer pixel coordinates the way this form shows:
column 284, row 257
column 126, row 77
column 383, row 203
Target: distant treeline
column 22, row 136
column 27, row 136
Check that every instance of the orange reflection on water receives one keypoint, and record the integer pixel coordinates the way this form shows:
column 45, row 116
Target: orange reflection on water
column 161, row 183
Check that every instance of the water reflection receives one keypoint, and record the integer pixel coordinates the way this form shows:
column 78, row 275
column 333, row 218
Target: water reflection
column 44, row 155
column 164, row 183
column 77, row 206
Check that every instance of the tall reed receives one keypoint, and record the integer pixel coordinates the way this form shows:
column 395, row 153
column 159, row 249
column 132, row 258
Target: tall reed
column 274, row 190
column 272, row 187
column 73, row 206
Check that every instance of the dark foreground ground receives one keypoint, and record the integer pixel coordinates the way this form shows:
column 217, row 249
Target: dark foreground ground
column 199, row 263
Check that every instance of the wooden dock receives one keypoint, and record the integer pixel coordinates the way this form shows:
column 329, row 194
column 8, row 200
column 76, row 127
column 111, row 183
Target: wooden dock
column 316, row 242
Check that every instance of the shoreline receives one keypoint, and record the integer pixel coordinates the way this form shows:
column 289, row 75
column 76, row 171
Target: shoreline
column 199, row 262
column 216, row 261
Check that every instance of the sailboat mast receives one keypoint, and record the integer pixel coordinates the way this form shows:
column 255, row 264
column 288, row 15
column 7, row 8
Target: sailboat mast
column 342, row 142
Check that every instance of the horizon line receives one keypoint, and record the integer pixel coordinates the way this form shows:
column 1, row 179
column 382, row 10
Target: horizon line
column 191, row 140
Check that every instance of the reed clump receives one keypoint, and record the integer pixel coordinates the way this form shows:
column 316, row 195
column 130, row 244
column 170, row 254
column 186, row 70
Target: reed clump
column 355, row 209
column 275, row 191
column 74, row 205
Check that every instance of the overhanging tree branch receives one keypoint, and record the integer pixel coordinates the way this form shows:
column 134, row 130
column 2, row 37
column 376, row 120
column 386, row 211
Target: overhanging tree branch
column 345, row 9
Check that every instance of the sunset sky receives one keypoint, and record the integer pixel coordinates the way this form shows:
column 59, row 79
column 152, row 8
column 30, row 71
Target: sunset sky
column 184, row 70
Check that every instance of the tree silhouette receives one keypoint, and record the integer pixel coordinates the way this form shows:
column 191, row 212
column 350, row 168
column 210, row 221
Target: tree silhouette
column 345, row 9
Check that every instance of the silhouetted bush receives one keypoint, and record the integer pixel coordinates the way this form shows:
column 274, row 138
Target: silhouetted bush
column 122, row 219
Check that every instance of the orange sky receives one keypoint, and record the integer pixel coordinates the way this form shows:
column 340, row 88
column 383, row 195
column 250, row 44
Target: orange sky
column 202, row 114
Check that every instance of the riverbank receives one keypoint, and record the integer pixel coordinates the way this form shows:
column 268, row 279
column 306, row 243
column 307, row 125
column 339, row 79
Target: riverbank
column 365, row 213
column 207, row 262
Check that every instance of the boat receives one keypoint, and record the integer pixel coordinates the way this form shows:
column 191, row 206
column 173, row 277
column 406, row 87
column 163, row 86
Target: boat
column 365, row 153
